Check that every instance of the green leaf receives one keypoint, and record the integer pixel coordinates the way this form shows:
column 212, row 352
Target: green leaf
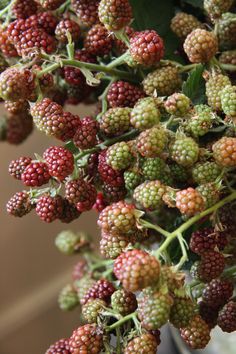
column 154, row 14
column 194, row 86
column 195, row 3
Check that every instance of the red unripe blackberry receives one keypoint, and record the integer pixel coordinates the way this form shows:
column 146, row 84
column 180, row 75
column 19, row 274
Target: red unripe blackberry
column 102, row 289
column 80, row 269
column 86, row 339
column 16, row 84
column 112, row 244
column 65, row 26
column 45, row 20
column 6, row 46
column 49, row 208
column 217, row 292
column 211, row 266
column 60, row 162
column 86, row 10
column 136, row 270
column 208, row 314
column 124, row 94
column 118, row 217
column 100, row 203
column 146, row 47
column 60, row 347
column 16, row 28
column 113, row 194
column 197, row 334
column 151, row 142
column 19, row 205
column 16, row 107
column 189, row 201
column 107, row 173
column 24, row 8
column 86, row 136
column 224, row 152
column 69, row 212
column 200, row 46
column 19, row 127
column 182, row 24
column 17, row 167
column 98, row 41
column 35, row 174
column 123, row 302
column 51, row 4
column 81, row 193
column 71, row 123
column 145, row 344
column 203, row 241
column 35, row 38
column 114, row 14
column 227, row 317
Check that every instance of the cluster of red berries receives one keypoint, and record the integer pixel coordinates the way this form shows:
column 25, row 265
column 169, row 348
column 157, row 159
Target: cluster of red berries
column 155, row 160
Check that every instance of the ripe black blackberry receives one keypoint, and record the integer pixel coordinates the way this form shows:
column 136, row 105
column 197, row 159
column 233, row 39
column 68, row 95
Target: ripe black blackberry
column 102, row 289
column 227, row 317
column 217, row 292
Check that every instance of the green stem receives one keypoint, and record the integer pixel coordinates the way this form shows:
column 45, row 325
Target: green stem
column 118, row 343
column 123, row 320
column 109, row 142
column 118, row 61
column 228, row 67
column 7, row 8
column 187, row 68
column 184, row 257
column 157, row 228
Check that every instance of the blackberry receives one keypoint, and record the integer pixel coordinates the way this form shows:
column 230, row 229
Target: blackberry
column 98, row 42
column 146, row 47
column 200, row 46
column 69, row 212
column 14, row 84
column 208, row 314
column 102, row 289
column 6, row 47
column 163, row 81
column 15, row 107
column 24, row 8
column 154, row 309
column 35, row 174
column 68, row 298
column 203, row 241
column 217, row 292
column 51, row 4
column 179, row 173
column 173, row 279
column 227, row 317
column 123, row 94
column 114, row 14
column 132, row 179
column 210, row 193
column 67, row 26
column 70, row 124
column 215, row 8
column 107, row 173
column 19, row 205
column 214, row 86
column 228, row 98
column 100, row 203
column 18, row 127
column 60, row 162
column 205, row 172
column 211, row 266
column 136, row 269
column 67, row 242
column 200, row 123
column 113, row 244
column 92, row 309
column 35, row 38
column 87, row 338
column 189, row 201
column 80, row 269
column 49, row 208
column 153, row 168
column 81, row 193
column 151, row 142
column 226, row 30
column 145, row 114
column 144, row 344
column 118, row 217
column 45, row 20
column 86, row 136
column 86, row 10
column 17, row 167
column 60, row 347
column 115, row 121
column 123, row 302
column 119, row 156
column 182, row 311
column 197, row 334
column 177, row 104
column 224, row 151
column 228, row 57
column 83, row 285
column 113, row 194
column 149, row 194
column 184, row 151
column 182, row 24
